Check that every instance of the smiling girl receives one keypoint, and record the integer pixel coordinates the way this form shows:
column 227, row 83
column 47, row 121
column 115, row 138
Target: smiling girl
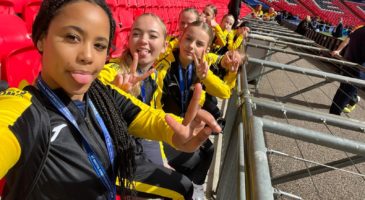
column 146, row 41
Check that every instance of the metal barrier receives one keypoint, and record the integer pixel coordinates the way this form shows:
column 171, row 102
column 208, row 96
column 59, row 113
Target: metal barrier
column 245, row 171
column 273, row 31
column 306, row 55
column 285, row 38
column 275, row 41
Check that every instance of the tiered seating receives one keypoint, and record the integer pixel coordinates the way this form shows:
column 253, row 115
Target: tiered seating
column 358, row 8
column 349, row 17
column 291, row 6
column 328, row 11
column 124, row 12
column 327, row 5
column 245, row 10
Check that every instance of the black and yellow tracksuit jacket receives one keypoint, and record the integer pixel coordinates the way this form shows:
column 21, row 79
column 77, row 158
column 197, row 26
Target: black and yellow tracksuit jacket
column 168, row 92
column 221, row 38
column 234, row 40
column 29, row 125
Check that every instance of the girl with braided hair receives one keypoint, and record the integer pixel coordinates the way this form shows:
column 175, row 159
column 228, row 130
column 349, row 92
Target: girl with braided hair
column 66, row 137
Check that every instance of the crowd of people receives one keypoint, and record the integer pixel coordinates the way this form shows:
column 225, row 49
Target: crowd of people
column 90, row 128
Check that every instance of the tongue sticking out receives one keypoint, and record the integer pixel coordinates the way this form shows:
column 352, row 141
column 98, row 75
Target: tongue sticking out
column 82, row 78
column 142, row 53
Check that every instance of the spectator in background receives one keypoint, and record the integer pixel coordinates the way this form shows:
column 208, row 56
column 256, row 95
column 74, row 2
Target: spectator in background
column 209, row 13
column 337, row 32
column 289, row 16
column 257, row 12
column 234, row 8
column 304, row 25
column 270, row 15
column 315, row 23
column 346, row 97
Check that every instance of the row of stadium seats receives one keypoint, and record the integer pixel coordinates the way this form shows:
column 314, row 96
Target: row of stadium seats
column 327, row 5
column 291, row 6
column 328, row 10
column 358, row 8
column 20, row 60
column 332, row 16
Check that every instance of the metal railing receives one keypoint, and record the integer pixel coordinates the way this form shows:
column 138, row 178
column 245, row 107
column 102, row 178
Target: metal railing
column 245, row 171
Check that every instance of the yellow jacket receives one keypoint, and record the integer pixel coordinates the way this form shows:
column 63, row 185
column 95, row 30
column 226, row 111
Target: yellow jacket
column 233, row 43
column 221, row 37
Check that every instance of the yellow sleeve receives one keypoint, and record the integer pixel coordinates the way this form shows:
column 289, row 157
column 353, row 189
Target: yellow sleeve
column 149, row 123
column 221, row 36
column 212, row 58
column 162, row 71
column 9, row 151
column 108, row 73
column 230, row 79
column 173, row 43
column 234, row 44
column 11, row 108
column 215, row 86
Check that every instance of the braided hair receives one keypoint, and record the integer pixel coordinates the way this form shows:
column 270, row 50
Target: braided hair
column 115, row 123
column 118, row 130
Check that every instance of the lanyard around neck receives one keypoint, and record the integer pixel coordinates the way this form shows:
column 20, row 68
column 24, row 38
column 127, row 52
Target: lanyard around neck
column 95, row 162
column 184, row 85
column 143, row 89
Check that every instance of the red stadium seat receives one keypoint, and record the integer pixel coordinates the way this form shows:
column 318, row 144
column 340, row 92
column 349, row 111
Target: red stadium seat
column 358, row 8
column 13, row 35
column 121, row 40
column 19, row 4
column 125, row 17
column 21, row 64
column 30, row 11
column 7, row 7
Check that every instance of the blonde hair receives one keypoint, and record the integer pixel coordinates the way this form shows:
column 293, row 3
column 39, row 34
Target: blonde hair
column 192, row 10
column 205, row 28
column 126, row 57
column 212, row 8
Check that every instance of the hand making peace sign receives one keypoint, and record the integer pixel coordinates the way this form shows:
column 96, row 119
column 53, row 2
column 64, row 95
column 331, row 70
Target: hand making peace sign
column 129, row 80
column 201, row 65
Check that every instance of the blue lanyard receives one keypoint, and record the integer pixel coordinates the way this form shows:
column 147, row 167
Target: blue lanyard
column 143, row 89
column 95, row 162
column 143, row 92
column 184, row 85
